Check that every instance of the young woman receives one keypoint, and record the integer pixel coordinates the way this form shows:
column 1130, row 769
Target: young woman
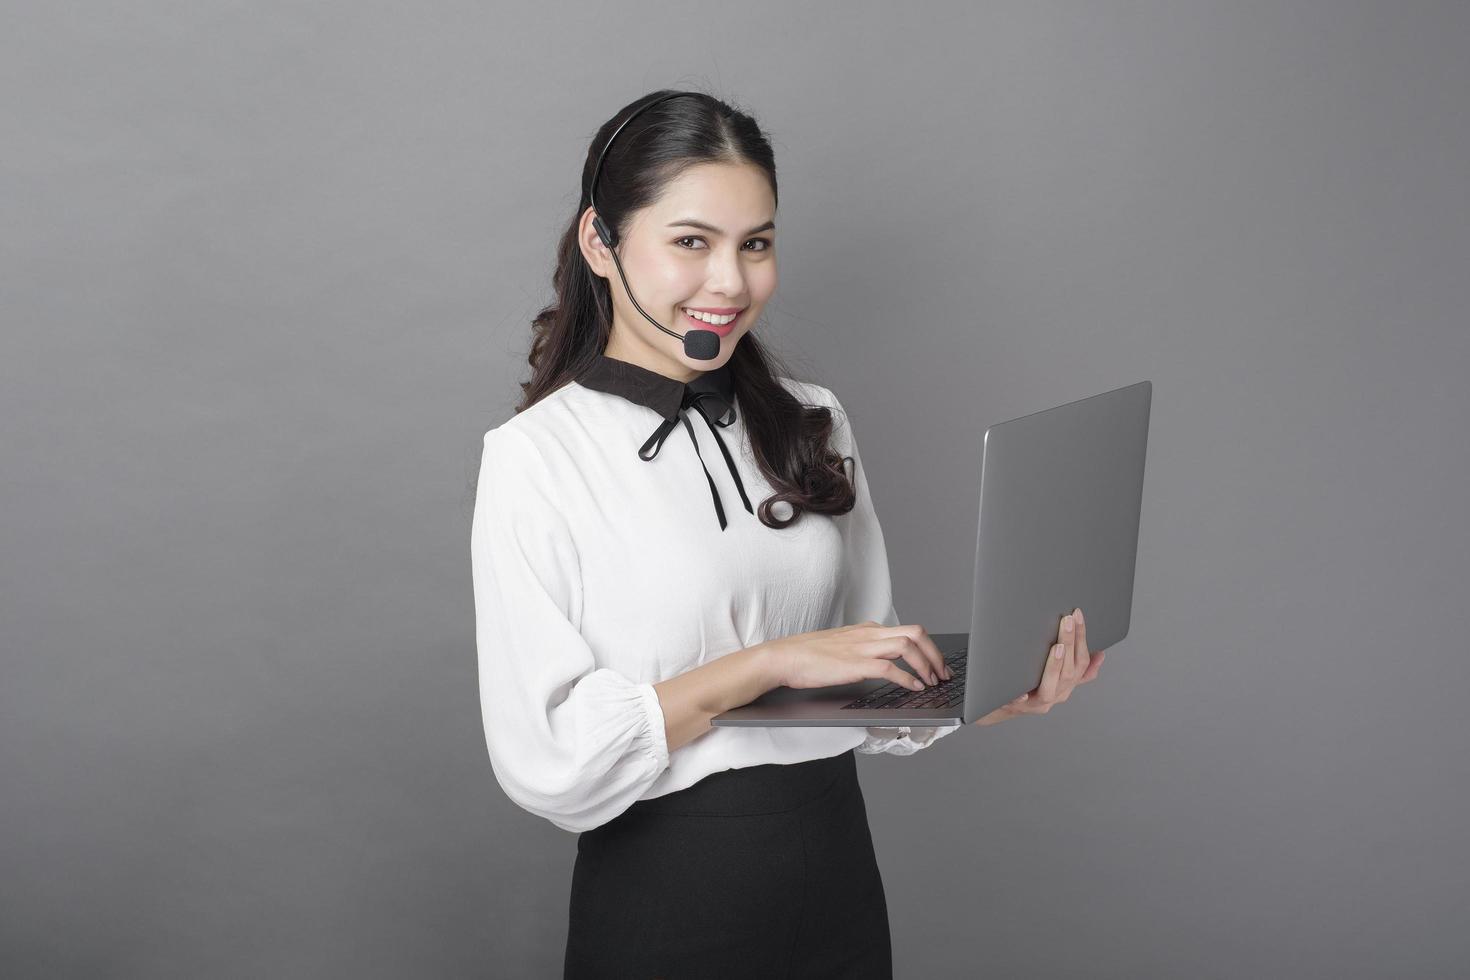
column 623, row 597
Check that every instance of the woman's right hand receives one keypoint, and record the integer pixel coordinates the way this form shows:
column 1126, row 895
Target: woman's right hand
column 847, row 654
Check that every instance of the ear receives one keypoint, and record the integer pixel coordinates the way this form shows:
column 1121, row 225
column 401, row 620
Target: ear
column 598, row 258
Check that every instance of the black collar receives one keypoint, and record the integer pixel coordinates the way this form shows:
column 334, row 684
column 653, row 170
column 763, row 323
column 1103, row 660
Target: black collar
column 711, row 394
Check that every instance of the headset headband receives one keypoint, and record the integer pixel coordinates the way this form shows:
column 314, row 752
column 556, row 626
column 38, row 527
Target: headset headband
column 607, row 234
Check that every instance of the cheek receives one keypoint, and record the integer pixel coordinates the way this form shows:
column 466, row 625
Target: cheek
column 763, row 282
column 680, row 282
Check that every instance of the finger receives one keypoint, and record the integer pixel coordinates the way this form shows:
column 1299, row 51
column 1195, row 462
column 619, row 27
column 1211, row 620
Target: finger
column 1092, row 668
column 1084, row 657
column 1069, row 659
column 932, row 653
column 930, row 661
column 1004, row 712
column 890, row 671
column 1027, row 704
column 1046, row 691
column 915, row 652
column 1011, row 709
column 900, row 645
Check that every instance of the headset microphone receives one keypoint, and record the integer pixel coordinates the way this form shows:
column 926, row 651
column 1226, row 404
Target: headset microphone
column 699, row 345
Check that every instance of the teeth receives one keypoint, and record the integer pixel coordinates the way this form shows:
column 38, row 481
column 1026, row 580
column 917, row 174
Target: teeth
column 710, row 317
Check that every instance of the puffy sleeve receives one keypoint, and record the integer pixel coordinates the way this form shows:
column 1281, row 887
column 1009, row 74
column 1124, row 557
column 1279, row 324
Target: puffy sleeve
column 568, row 741
column 867, row 590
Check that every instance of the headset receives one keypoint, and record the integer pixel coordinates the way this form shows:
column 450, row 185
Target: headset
column 699, row 345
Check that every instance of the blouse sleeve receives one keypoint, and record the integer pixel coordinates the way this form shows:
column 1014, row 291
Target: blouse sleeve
column 568, row 741
column 867, row 592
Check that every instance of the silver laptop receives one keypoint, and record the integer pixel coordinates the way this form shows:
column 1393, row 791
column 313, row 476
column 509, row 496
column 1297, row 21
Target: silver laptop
column 1060, row 498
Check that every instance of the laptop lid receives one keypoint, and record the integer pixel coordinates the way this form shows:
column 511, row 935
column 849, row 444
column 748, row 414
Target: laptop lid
column 1061, row 493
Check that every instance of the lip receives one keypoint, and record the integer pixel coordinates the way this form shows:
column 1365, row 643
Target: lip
column 722, row 329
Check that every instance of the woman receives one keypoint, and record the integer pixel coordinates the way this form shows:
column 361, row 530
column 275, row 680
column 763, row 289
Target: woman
column 622, row 600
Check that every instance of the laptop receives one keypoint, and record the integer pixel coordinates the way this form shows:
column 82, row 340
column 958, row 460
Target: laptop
column 1060, row 498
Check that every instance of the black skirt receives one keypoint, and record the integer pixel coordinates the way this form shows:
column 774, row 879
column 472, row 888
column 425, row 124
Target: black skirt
column 766, row 871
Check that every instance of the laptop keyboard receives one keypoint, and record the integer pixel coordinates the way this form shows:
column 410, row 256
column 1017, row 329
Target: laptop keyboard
column 945, row 694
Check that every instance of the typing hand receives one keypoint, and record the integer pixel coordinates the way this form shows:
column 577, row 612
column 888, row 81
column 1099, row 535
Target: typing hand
column 1074, row 666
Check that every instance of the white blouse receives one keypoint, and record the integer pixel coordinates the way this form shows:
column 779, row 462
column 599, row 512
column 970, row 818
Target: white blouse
column 597, row 574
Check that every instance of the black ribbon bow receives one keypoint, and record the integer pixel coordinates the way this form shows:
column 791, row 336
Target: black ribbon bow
column 712, row 395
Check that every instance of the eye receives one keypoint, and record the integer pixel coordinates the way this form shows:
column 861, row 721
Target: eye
column 765, row 242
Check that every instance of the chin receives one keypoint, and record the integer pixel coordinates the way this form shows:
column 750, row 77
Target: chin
column 727, row 347
column 709, row 365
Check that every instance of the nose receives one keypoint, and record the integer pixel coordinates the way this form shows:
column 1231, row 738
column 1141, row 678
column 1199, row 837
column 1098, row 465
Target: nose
column 726, row 277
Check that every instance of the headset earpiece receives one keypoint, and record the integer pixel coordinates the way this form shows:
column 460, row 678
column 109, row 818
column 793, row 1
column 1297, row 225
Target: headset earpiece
column 603, row 232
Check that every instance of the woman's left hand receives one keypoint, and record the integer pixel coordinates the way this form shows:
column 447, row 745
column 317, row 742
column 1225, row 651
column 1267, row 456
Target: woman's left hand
column 1064, row 672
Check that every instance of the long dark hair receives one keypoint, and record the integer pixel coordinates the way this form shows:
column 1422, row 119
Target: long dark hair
column 788, row 437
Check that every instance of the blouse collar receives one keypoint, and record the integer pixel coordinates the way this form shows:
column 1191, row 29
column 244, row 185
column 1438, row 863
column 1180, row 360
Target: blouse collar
column 712, row 394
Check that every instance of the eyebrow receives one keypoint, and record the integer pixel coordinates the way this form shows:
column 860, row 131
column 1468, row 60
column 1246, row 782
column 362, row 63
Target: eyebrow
column 692, row 223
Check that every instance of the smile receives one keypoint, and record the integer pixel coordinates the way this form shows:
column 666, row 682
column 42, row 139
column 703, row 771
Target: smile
column 719, row 324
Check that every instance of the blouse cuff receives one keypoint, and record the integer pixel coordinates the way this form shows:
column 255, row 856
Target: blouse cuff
column 657, row 742
column 904, row 739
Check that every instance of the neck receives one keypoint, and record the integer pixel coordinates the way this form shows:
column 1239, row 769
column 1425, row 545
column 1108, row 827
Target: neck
column 639, row 353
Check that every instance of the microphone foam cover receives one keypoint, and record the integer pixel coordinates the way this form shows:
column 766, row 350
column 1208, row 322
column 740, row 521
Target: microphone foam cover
column 702, row 345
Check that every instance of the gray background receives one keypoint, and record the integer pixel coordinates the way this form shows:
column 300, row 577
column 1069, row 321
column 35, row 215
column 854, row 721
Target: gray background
column 268, row 271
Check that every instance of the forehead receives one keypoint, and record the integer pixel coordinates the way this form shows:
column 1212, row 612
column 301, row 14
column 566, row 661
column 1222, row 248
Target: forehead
column 727, row 195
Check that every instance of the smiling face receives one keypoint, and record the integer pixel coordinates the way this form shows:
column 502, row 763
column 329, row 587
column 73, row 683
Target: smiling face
column 708, row 243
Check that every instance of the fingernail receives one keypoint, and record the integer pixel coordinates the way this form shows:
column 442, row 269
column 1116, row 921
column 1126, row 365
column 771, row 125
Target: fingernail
column 1056, row 652
column 1078, row 616
column 1067, row 625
